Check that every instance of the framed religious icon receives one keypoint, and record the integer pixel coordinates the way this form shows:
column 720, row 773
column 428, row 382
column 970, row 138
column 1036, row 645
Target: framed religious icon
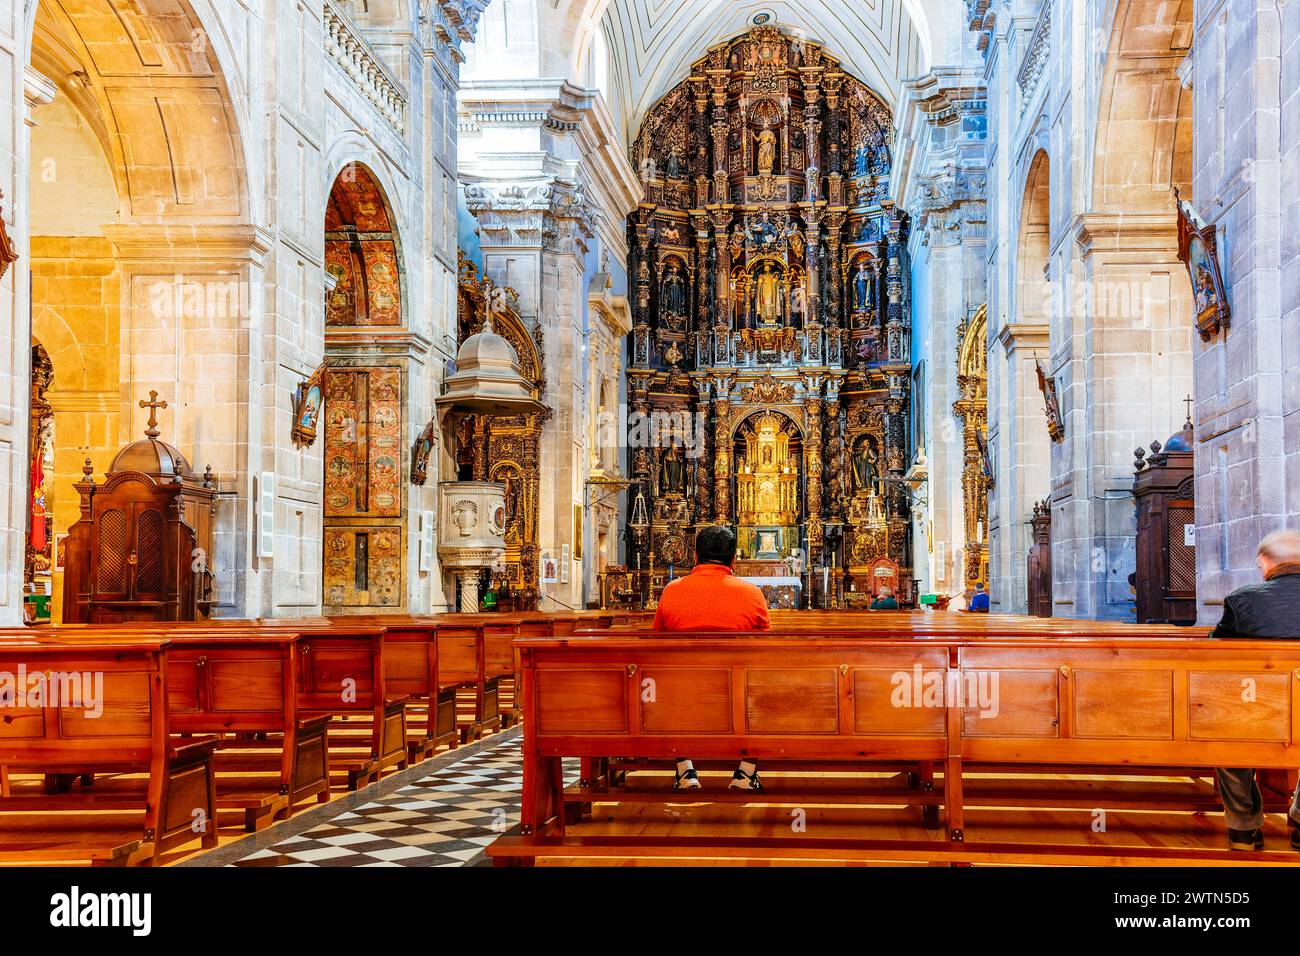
column 577, row 532
column 308, row 399
column 550, row 569
column 986, row 456
column 1051, row 404
column 420, row 454
column 1198, row 250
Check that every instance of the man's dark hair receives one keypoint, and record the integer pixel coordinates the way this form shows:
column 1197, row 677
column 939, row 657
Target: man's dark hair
column 716, row 543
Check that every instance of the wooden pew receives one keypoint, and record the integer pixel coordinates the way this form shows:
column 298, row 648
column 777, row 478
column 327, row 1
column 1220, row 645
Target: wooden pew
column 1115, row 696
column 235, row 682
column 131, row 735
column 341, row 674
column 412, row 667
column 462, row 660
column 246, row 684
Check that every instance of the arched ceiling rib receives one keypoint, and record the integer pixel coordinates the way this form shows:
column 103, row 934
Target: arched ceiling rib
column 652, row 43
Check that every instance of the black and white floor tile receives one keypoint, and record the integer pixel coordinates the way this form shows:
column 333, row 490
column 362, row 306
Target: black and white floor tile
column 445, row 818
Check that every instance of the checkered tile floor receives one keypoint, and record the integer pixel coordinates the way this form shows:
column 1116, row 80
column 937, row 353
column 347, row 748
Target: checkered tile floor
column 444, row 819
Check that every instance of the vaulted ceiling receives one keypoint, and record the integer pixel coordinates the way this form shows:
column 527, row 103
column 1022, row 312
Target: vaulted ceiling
column 651, row 43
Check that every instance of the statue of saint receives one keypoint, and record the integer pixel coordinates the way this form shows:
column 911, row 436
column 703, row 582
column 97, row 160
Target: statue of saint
column 766, row 151
column 762, row 233
column 767, row 295
column 860, row 287
column 861, row 167
column 794, row 236
column 673, row 165
column 864, row 468
column 672, row 290
column 737, row 240
column 798, row 302
column 672, row 472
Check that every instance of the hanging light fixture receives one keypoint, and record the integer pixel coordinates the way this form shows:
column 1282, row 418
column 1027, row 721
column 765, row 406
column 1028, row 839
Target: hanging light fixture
column 640, row 515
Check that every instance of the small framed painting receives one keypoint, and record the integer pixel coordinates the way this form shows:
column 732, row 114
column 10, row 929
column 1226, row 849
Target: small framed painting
column 308, row 399
column 1198, row 250
column 420, row 453
column 550, row 569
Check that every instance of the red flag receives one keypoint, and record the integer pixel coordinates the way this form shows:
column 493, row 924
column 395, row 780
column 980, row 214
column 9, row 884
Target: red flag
column 38, row 535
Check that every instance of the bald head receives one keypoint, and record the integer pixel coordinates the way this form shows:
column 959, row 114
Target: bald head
column 1279, row 548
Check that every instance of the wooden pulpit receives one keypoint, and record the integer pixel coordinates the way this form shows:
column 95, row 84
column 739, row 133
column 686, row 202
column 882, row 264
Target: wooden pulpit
column 142, row 547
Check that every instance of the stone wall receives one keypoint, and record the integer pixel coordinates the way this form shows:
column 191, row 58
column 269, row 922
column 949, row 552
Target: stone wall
column 1244, row 75
column 203, row 276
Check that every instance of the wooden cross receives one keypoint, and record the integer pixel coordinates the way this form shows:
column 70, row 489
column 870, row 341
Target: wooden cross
column 153, row 405
column 1188, row 402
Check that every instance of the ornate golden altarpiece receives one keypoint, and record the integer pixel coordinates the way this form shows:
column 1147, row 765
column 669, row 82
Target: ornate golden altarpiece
column 977, row 470
column 506, row 448
column 770, row 285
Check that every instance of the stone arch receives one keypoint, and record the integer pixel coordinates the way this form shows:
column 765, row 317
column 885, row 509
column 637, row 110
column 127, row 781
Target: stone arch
column 1033, row 288
column 150, row 82
column 362, row 253
column 1143, row 134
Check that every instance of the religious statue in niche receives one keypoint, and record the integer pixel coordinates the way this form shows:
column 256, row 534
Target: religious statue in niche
column 308, row 398
column 877, row 150
column 672, row 472
column 672, row 290
column 673, row 354
column 799, row 302
column 673, row 165
column 762, row 233
column 861, row 287
column 794, row 238
column 737, row 240
column 420, row 453
column 861, row 162
column 672, row 233
column 1197, row 249
column 865, row 460
column 767, row 295
column 766, row 140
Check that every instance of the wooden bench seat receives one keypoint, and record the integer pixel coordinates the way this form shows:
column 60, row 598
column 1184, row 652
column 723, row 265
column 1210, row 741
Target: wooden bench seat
column 126, row 731
column 1083, row 696
column 235, row 682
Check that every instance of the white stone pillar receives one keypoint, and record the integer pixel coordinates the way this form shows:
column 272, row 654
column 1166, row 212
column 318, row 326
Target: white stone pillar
column 469, row 596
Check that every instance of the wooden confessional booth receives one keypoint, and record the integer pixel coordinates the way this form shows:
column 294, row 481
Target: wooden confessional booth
column 141, row 549
column 1163, row 489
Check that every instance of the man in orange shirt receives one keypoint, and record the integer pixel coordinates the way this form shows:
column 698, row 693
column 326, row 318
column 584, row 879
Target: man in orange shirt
column 712, row 598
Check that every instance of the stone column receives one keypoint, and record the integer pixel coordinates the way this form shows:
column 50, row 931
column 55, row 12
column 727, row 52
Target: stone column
column 469, row 596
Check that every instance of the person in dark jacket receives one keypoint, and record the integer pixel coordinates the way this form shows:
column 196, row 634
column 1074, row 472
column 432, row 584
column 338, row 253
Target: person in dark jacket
column 1268, row 609
column 885, row 600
